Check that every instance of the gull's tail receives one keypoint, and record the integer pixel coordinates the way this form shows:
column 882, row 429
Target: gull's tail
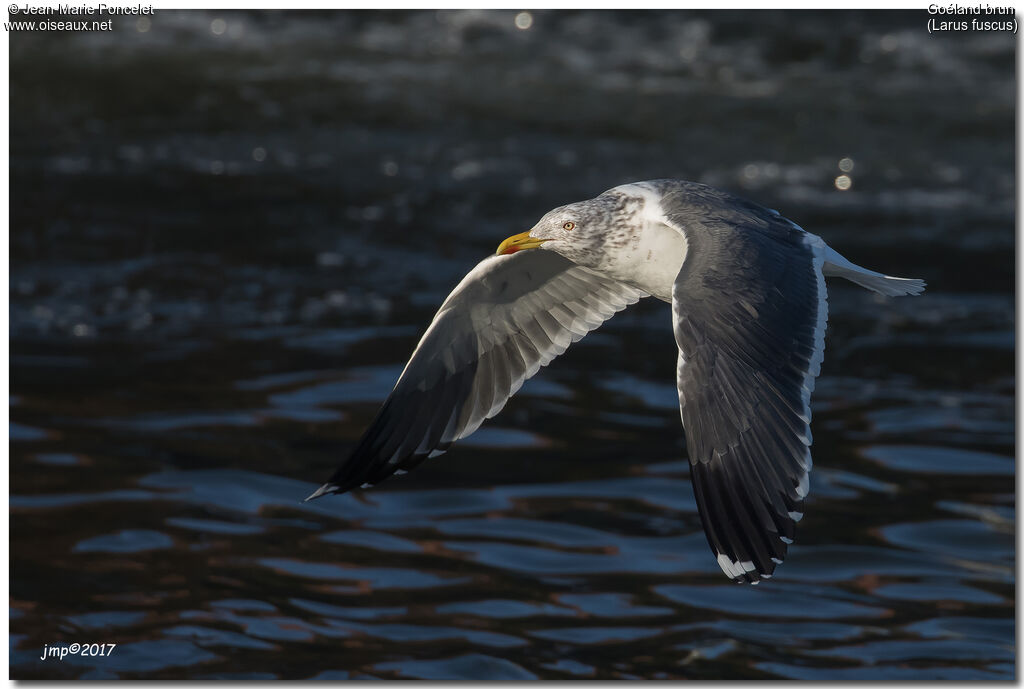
column 890, row 286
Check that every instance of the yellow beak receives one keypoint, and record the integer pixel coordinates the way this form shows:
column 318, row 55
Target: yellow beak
column 518, row 242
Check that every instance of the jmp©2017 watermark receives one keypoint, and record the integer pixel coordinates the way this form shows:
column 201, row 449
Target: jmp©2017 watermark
column 59, row 652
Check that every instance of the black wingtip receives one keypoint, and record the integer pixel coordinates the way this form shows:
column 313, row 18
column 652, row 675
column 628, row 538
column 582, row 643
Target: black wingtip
column 323, row 490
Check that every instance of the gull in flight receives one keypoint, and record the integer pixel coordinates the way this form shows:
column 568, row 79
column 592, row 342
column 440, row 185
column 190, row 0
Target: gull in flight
column 747, row 288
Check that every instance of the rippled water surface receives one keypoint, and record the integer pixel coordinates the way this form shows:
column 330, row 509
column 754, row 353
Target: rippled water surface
column 226, row 237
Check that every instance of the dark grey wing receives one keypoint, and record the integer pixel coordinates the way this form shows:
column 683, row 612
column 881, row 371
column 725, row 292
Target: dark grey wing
column 508, row 317
column 749, row 307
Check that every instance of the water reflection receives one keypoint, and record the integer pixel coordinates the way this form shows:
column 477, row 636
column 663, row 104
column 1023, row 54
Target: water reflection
column 347, row 583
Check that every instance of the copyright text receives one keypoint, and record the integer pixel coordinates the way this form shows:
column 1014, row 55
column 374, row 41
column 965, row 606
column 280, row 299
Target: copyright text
column 60, row 652
column 79, row 9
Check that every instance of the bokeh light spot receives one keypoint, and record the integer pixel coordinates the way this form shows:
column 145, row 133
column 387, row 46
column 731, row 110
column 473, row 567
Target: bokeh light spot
column 843, row 182
column 524, row 20
column 846, row 164
column 218, row 26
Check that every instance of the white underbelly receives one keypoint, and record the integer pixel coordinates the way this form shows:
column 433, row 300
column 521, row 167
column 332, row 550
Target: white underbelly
column 651, row 260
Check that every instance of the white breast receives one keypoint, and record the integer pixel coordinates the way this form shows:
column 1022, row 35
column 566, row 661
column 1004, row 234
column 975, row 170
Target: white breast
column 652, row 257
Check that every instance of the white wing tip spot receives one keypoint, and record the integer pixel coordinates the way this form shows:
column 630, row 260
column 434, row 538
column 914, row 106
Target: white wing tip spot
column 803, row 486
column 808, row 461
column 796, row 516
column 322, row 490
column 435, row 453
column 785, row 540
column 732, row 568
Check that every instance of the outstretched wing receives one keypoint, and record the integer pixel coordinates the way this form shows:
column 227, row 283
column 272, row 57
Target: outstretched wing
column 508, row 317
column 749, row 308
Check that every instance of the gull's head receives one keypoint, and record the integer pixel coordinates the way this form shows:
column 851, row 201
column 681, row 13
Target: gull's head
column 578, row 231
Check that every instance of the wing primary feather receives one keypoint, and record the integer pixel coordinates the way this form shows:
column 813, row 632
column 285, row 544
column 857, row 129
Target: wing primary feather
column 495, row 330
column 746, row 318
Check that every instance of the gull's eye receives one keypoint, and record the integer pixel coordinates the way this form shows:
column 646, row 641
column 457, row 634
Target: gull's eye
column 568, row 226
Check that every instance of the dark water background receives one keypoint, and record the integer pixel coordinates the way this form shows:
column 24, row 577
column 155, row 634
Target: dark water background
column 229, row 229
